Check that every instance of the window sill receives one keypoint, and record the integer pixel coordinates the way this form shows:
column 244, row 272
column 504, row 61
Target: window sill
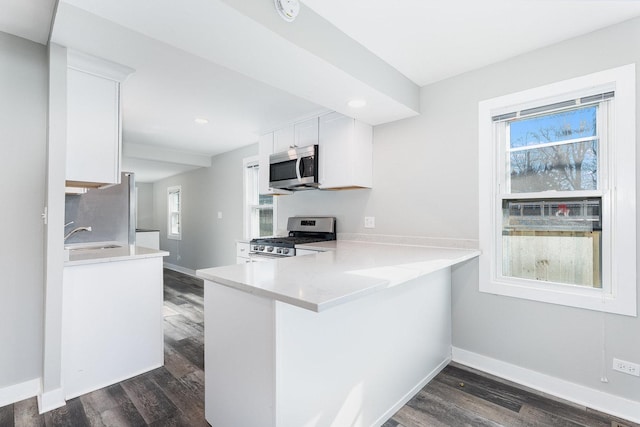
column 567, row 295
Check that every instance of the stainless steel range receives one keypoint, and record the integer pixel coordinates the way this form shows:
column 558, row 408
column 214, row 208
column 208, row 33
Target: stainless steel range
column 302, row 229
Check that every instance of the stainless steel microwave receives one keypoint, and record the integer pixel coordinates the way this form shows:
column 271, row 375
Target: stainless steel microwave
column 294, row 169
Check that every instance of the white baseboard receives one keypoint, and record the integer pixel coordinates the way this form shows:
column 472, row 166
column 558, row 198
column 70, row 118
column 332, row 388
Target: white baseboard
column 581, row 395
column 179, row 269
column 18, row 392
column 407, row 397
column 51, row 400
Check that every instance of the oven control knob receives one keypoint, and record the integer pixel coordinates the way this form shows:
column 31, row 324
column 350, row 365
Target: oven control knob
column 285, row 251
column 261, row 248
column 279, row 250
column 269, row 248
column 255, row 247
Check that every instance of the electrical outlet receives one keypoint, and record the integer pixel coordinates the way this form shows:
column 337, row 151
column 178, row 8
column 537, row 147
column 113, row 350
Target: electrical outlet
column 369, row 222
column 219, row 215
column 625, row 367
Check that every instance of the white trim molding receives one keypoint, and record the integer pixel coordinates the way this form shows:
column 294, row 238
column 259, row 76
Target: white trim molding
column 97, row 66
column 576, row 393
column 17, row 392
column 51, row 400
column 179, row 269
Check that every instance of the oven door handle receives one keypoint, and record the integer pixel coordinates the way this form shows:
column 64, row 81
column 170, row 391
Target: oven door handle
column 260, row 256
column 298, row 173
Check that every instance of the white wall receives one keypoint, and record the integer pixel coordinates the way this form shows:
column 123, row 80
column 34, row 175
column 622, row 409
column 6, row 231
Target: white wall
column 23, row 104
column 206, row 240
column 144, row 206
column 425, row 183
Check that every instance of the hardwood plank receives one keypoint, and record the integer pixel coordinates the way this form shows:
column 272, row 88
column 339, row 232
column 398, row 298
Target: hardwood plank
column 475, row 404
column 553, row 406
column 188, row 400
column 192, row 349
column 126, row 412
column 176, row 363
column 179, row 326
column 412, row 417
column 544, row 418
column 492, row 392
column 70, row 415
column 6, row 416
column 447, row 412
column 26, row 414
column 148, row 399
column 191, row 312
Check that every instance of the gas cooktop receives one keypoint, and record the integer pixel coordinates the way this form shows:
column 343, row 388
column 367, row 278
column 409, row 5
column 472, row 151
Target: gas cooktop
column 301, row 230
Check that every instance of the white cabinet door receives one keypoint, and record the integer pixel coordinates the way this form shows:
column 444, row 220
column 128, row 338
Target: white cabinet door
column 301, row 252
column 112, row 323
column 299, row 134
column 242, row 249
column 283, row 139
column 345, row 152
column 306, row 133
column 265, row 148
column 93, row 128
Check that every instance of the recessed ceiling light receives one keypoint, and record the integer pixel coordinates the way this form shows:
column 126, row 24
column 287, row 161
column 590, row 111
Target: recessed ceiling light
column 357, row 103
column 201, row 121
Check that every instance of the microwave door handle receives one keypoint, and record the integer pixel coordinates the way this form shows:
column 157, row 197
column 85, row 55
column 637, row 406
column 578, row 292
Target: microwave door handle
column 298, row 174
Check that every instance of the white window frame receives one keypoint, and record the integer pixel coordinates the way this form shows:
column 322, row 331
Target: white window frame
column 170, row 190
column 618, row 293
column 248, row 163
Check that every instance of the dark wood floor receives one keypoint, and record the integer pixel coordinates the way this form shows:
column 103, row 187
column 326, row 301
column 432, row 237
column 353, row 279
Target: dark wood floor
column 173, row 395
column 460, row 396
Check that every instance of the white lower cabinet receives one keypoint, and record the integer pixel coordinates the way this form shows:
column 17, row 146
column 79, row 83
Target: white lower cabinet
column 300, row 252
column 112, row 323
column 242, row 252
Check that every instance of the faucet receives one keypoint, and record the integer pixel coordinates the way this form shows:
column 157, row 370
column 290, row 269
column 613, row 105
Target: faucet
column 75, row 230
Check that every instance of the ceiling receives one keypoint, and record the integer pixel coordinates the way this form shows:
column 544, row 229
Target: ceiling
column 245, row 70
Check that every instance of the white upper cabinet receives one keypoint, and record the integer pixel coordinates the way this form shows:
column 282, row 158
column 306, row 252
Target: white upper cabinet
column 299, row 134
column 94, row 131
column 283, row 139
column 345, row 153
column 306, row 133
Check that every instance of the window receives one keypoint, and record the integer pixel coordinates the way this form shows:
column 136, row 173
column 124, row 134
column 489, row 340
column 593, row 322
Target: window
column 259, row 209
column 557, row 193
column 174, row 213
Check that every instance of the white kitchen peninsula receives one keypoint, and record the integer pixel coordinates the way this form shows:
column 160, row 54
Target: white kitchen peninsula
column 342, row 337
column 112, row 316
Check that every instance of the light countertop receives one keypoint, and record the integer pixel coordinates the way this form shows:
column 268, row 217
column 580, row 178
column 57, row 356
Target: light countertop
column 347, row 270
column 123, row 253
